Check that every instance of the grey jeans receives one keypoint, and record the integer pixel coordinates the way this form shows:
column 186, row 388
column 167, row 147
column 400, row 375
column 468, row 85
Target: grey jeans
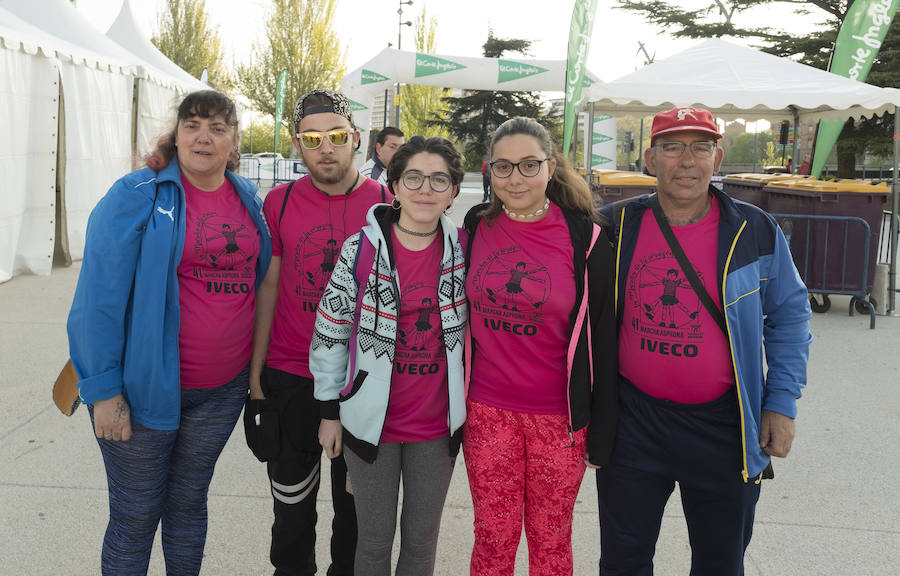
column 426, row 468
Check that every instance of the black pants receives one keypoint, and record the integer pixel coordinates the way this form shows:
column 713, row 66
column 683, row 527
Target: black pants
column 294, row 476
column 659, row 443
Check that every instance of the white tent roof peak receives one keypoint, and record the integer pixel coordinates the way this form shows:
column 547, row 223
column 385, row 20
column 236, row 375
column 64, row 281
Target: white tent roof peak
column 736, row 81
column 126, row 32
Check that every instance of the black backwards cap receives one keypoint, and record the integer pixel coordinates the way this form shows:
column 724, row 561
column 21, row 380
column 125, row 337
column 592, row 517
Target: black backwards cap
column 340, row 105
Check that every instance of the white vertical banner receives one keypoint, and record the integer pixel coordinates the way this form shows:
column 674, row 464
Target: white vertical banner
column 603, row 143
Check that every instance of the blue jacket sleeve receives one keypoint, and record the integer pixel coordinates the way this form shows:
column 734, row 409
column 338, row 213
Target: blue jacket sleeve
column 97, row 319
column 786, row 334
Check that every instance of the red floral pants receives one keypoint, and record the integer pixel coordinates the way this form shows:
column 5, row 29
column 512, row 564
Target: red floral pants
column 522, row 467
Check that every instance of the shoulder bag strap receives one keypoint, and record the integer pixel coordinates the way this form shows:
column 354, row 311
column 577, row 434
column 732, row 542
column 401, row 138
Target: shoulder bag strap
column 685, row 264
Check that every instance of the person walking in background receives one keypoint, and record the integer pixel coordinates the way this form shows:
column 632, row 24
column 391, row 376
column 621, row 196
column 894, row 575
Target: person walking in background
column 542, row 392
column 160, row 346
column 388, row 141
column 309, row 220
column 387, row 357
column 696, row 405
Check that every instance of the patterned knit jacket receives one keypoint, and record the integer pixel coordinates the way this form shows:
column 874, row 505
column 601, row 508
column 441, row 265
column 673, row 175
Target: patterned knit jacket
column 352, row 351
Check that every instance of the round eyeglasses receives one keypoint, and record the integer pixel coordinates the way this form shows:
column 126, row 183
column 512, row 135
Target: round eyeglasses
column 528, row 168
column 439, row 181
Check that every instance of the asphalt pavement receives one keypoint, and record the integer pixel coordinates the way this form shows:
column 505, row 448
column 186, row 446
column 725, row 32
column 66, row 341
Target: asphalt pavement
column 833, row 507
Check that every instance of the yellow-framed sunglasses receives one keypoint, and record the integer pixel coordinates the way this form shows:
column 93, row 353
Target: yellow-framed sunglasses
column 312, row 140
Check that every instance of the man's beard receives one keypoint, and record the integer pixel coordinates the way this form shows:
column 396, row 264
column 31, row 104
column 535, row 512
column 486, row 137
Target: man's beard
column 335, row 175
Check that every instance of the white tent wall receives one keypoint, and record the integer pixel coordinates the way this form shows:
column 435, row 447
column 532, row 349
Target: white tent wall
column 391, row 66
column 29, row 92
column 98, row 108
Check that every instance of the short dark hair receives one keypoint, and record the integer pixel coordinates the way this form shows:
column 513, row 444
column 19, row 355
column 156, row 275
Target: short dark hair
column 388, row 131
column 419, row 144
column 202, row 104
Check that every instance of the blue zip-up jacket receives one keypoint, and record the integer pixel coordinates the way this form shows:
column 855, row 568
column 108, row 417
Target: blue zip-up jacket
column 124, row 340
column 766, row 308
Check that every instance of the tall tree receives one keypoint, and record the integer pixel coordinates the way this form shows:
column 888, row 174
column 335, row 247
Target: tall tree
column 723, row 19
column 187, row 39
column 300, row 38
column 420, row 103
column 473, row 117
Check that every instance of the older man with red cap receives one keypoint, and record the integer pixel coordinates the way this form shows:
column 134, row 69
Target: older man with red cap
column 705, row 286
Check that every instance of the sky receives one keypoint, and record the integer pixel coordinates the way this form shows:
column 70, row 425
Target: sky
column 366, row 26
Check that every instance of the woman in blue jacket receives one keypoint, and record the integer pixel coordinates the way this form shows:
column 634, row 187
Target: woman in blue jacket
column 160, row 331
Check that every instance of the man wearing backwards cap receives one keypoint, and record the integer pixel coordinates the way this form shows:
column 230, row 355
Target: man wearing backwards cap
column 696, row 406
column 309, row 220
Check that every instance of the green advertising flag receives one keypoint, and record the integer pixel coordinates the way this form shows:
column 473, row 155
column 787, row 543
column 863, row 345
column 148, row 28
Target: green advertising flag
column 279, row 103
column 579, row 44
column 858, row 42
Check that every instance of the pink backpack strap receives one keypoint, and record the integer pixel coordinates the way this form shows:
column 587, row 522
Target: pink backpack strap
column 582, row 316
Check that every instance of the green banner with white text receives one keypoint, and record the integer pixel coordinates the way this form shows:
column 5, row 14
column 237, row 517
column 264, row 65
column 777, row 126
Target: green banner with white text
column 579, row 45
column 859, row 39
column 279, row 105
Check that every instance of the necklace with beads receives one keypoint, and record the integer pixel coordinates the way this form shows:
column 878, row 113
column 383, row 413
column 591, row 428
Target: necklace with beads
column 534, row 214
column 419, row 234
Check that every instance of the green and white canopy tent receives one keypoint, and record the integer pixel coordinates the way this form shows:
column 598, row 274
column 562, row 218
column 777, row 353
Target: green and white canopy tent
column 391, row 66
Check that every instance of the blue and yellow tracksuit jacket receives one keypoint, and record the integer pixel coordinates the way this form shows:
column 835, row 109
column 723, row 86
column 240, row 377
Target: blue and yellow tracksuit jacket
column 766, row 310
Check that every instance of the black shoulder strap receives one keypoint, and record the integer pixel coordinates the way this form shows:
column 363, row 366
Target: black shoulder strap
column 382, row 194
column 685, row 264
column 284, row 202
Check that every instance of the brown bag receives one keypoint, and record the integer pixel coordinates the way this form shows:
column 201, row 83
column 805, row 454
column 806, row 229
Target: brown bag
column 65, row 390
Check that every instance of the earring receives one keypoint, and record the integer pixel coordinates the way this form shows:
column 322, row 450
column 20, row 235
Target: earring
column 395, row 204
column 448, row 210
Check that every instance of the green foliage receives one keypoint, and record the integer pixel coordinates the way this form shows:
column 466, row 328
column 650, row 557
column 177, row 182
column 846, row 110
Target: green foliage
column 741, row 150
column 419, row 103
column 260, row 137
column 185, row 37
column 472, row 118
column 718, row 19
column 300, row 37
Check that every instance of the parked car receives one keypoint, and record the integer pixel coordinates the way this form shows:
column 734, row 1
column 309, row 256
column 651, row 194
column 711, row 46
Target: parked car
column 267, row 160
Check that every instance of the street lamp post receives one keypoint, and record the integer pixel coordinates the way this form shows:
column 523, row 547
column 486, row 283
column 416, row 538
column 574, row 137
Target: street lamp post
column 400, row 25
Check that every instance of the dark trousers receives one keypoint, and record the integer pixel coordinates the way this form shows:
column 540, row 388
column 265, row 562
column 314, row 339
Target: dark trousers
column 294, row 476
column 659, row 443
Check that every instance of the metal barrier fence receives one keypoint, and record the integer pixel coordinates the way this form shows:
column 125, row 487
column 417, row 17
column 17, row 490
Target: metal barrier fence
column 272, row 170
column 884, row 242
column 832, row 255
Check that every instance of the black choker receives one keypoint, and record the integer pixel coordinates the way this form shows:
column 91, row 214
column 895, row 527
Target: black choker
column 419, row 234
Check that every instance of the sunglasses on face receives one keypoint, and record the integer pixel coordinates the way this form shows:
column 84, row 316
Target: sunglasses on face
column 312, row 140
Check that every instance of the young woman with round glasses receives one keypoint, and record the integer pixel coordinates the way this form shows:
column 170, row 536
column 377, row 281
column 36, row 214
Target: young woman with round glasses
column 387, row 358
column 542, row 397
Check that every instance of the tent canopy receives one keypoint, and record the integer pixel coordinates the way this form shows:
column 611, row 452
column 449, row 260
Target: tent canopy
column 735, row 81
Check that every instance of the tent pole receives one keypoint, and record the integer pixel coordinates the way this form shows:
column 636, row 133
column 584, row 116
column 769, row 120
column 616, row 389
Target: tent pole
column 794, row 163
column 589, row 145
column 895, row 192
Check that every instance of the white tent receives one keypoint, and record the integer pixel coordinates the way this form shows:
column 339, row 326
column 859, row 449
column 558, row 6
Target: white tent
column 43, row 80
column 734, row 81
column 499, row 74
column 82, row 117
column 160, row 90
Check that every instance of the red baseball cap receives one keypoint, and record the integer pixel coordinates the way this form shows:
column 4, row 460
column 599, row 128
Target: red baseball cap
column 685, row 119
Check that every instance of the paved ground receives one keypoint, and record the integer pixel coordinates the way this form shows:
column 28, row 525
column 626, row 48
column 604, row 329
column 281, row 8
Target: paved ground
column 834, row 507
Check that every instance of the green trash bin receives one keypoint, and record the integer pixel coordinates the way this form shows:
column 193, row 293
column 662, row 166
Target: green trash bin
column 828, row 254
column 614, row 185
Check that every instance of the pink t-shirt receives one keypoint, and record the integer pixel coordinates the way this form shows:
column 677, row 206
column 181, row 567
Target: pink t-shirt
column 669, row 345
column 217, row 293
column 419, row 402
column 521, row 290
column 308, row 240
